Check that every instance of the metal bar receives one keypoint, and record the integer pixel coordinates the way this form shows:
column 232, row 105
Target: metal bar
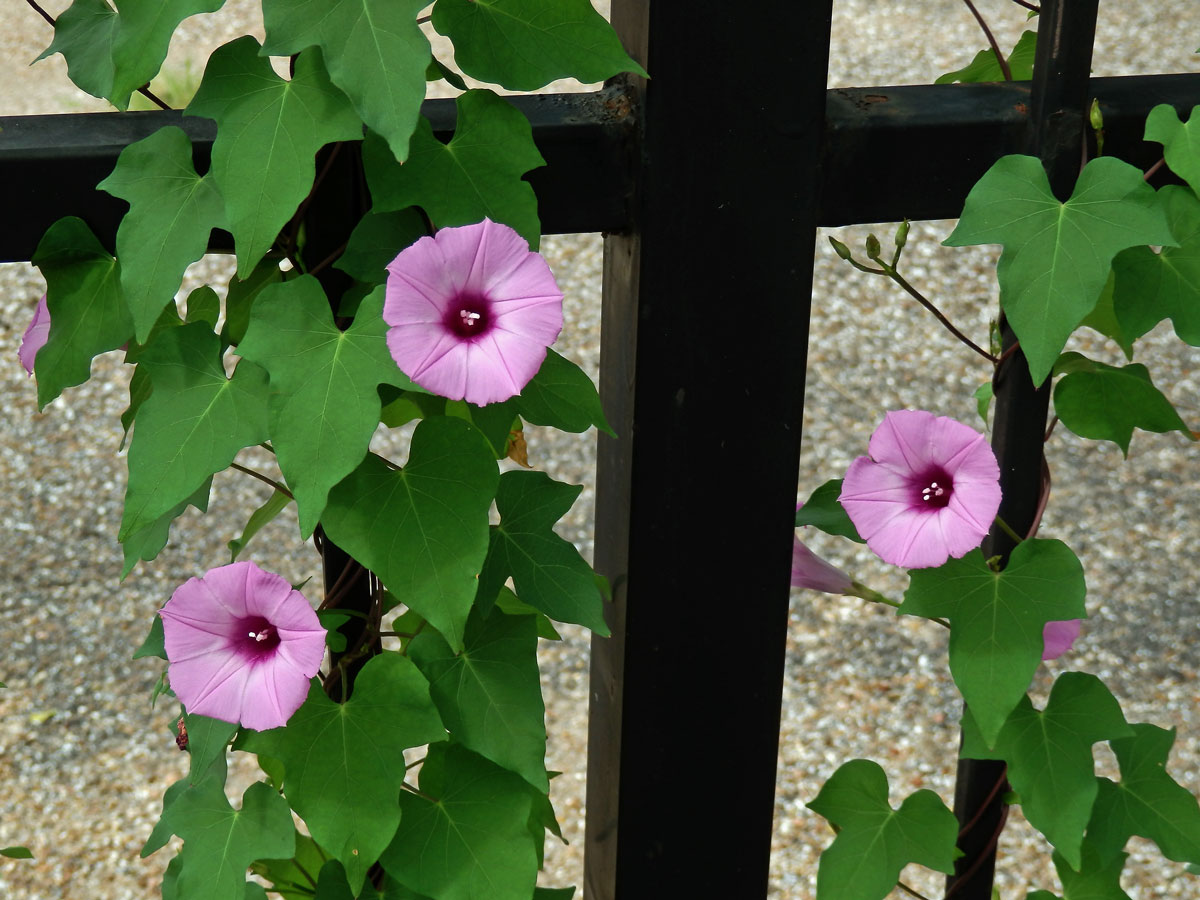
column 1057, row 133
column 888, row 153
column 705, row 308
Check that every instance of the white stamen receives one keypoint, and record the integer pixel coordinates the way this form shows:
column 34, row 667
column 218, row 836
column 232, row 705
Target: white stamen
column 932, row 491
column 260, row 635
column 469, row 318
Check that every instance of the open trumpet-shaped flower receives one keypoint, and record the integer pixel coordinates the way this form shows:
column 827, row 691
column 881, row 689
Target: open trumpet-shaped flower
column 242, row 646
column 810, row 571
column 35, row 335
column 1058, row 637
column 928, row 491
column 471, row 312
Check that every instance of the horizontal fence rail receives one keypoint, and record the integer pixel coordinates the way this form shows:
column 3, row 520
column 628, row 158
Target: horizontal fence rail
column 889, row 153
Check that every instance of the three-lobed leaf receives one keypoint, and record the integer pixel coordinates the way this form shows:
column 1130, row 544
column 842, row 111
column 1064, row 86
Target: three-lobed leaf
column 374, row 50
column 343, row 763
column 1106, row 403
column 874, row 841
column 1057, row 255
column 324, row 403
column 1180, row 140
column 171, row 212
column 997, row 619
column 562, row 395
column 1049, row 756
column 268, row 133
column 523, row 45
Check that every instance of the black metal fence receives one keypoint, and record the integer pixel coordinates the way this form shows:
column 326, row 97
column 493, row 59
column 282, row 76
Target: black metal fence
column 710, row 191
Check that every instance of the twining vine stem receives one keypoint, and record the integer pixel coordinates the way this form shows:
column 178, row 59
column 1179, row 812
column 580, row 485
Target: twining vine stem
column 1004, row 68
column 263, row 478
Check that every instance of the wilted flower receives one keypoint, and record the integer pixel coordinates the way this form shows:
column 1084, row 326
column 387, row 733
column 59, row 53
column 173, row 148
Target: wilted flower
column 929, row 490
column 1057, row 637
column 35, row 335
column 471, row 312
column 810, row 571
column 242, row 646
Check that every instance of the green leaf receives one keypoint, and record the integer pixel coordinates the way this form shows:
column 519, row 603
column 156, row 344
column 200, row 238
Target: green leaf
column 171, row 212
column 548, row 571
column 874, row 841
column 192, row 425
column 1057, row 255
column 509, row 604
column 154, row 644
column 475, row 814
column 1049, row 755
column 16, row 852
column 1094, row 879
column 1104, row 317
column 282, row 873
column 1106, row 403
column 542, row 893
column 1041, row 895
column 342, row 761
column 1146, row 802
column 208, row 740
column 1180, row 140
column 983, row 399
column 477, row 175
column 268, row 133
column 985, row 68
column 376, row 240
column 219, row 842
column 422, row 529
column 997, row 620
column 374, row 50
column 1150, row 287
column 266, row 513
column 203, row 305
column 523, row 45
column 490, row 694
column 147, row 542
column 239, row 300
column 111, row 54
column 823, row 511
column 324, row 403
column 88, row 314
column 562, row 396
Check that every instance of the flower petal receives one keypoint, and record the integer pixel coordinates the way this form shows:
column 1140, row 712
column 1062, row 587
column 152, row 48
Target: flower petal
column 35, row 336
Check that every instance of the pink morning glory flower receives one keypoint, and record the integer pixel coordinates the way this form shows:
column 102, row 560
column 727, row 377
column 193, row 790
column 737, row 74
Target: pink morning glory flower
column 928, row 491
column 471, row 312
column 242, row 646
column 1057, row 637
column 35, row 335
column 810, row 571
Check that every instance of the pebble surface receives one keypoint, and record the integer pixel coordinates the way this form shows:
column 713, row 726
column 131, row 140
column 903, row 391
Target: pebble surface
column 84, row 760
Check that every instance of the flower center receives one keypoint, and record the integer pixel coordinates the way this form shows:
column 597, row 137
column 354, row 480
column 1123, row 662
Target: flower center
column 936, row 489
column 261, row 637
column 468, row 316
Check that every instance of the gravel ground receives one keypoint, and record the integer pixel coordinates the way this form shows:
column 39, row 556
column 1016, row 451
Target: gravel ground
column 84, row 760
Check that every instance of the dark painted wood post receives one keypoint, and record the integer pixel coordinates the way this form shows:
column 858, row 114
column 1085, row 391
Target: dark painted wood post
column 702, row 374
column 1058, row 108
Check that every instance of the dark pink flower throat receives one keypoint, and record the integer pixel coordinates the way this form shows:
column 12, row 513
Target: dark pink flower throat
column 934, row 489
column 257, row 638
column 469, row 316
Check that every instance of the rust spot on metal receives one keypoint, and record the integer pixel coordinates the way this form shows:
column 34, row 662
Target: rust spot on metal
column 876, row 98
column 1022, row 109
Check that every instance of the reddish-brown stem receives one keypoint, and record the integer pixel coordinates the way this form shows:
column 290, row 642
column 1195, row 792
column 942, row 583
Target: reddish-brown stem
column 1004, row 69
column 1154, row 168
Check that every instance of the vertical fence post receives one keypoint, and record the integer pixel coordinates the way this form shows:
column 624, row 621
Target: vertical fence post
column 702, row 374
column 1066, row 31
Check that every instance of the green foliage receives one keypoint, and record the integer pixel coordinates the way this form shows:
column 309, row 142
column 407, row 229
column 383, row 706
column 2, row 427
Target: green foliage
column 997, row 620
column 193, row 424
column 562, row 395
column 88, row 314
column 112, row 53
column 1106, row 403
column 268, row 132
column 374, row 51
column 423, row 528
column 490, row 695
column 1103, row 318
column 548, row 571
column 874, row 841
column 342, row 761
column 984, row 67
column 1180, row 140
column 146, row 542
column 376, row 240
column 1057, row 255
column 525, row 44
column 475, row 813
column 16, row 852
column 1147, row 801
column 1150, row 287
column 324, row 403
column 1049, row 756
column 476, row 175
column 1095, row 879
column 266, row 513
column 823, row 511
column 171, row 212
